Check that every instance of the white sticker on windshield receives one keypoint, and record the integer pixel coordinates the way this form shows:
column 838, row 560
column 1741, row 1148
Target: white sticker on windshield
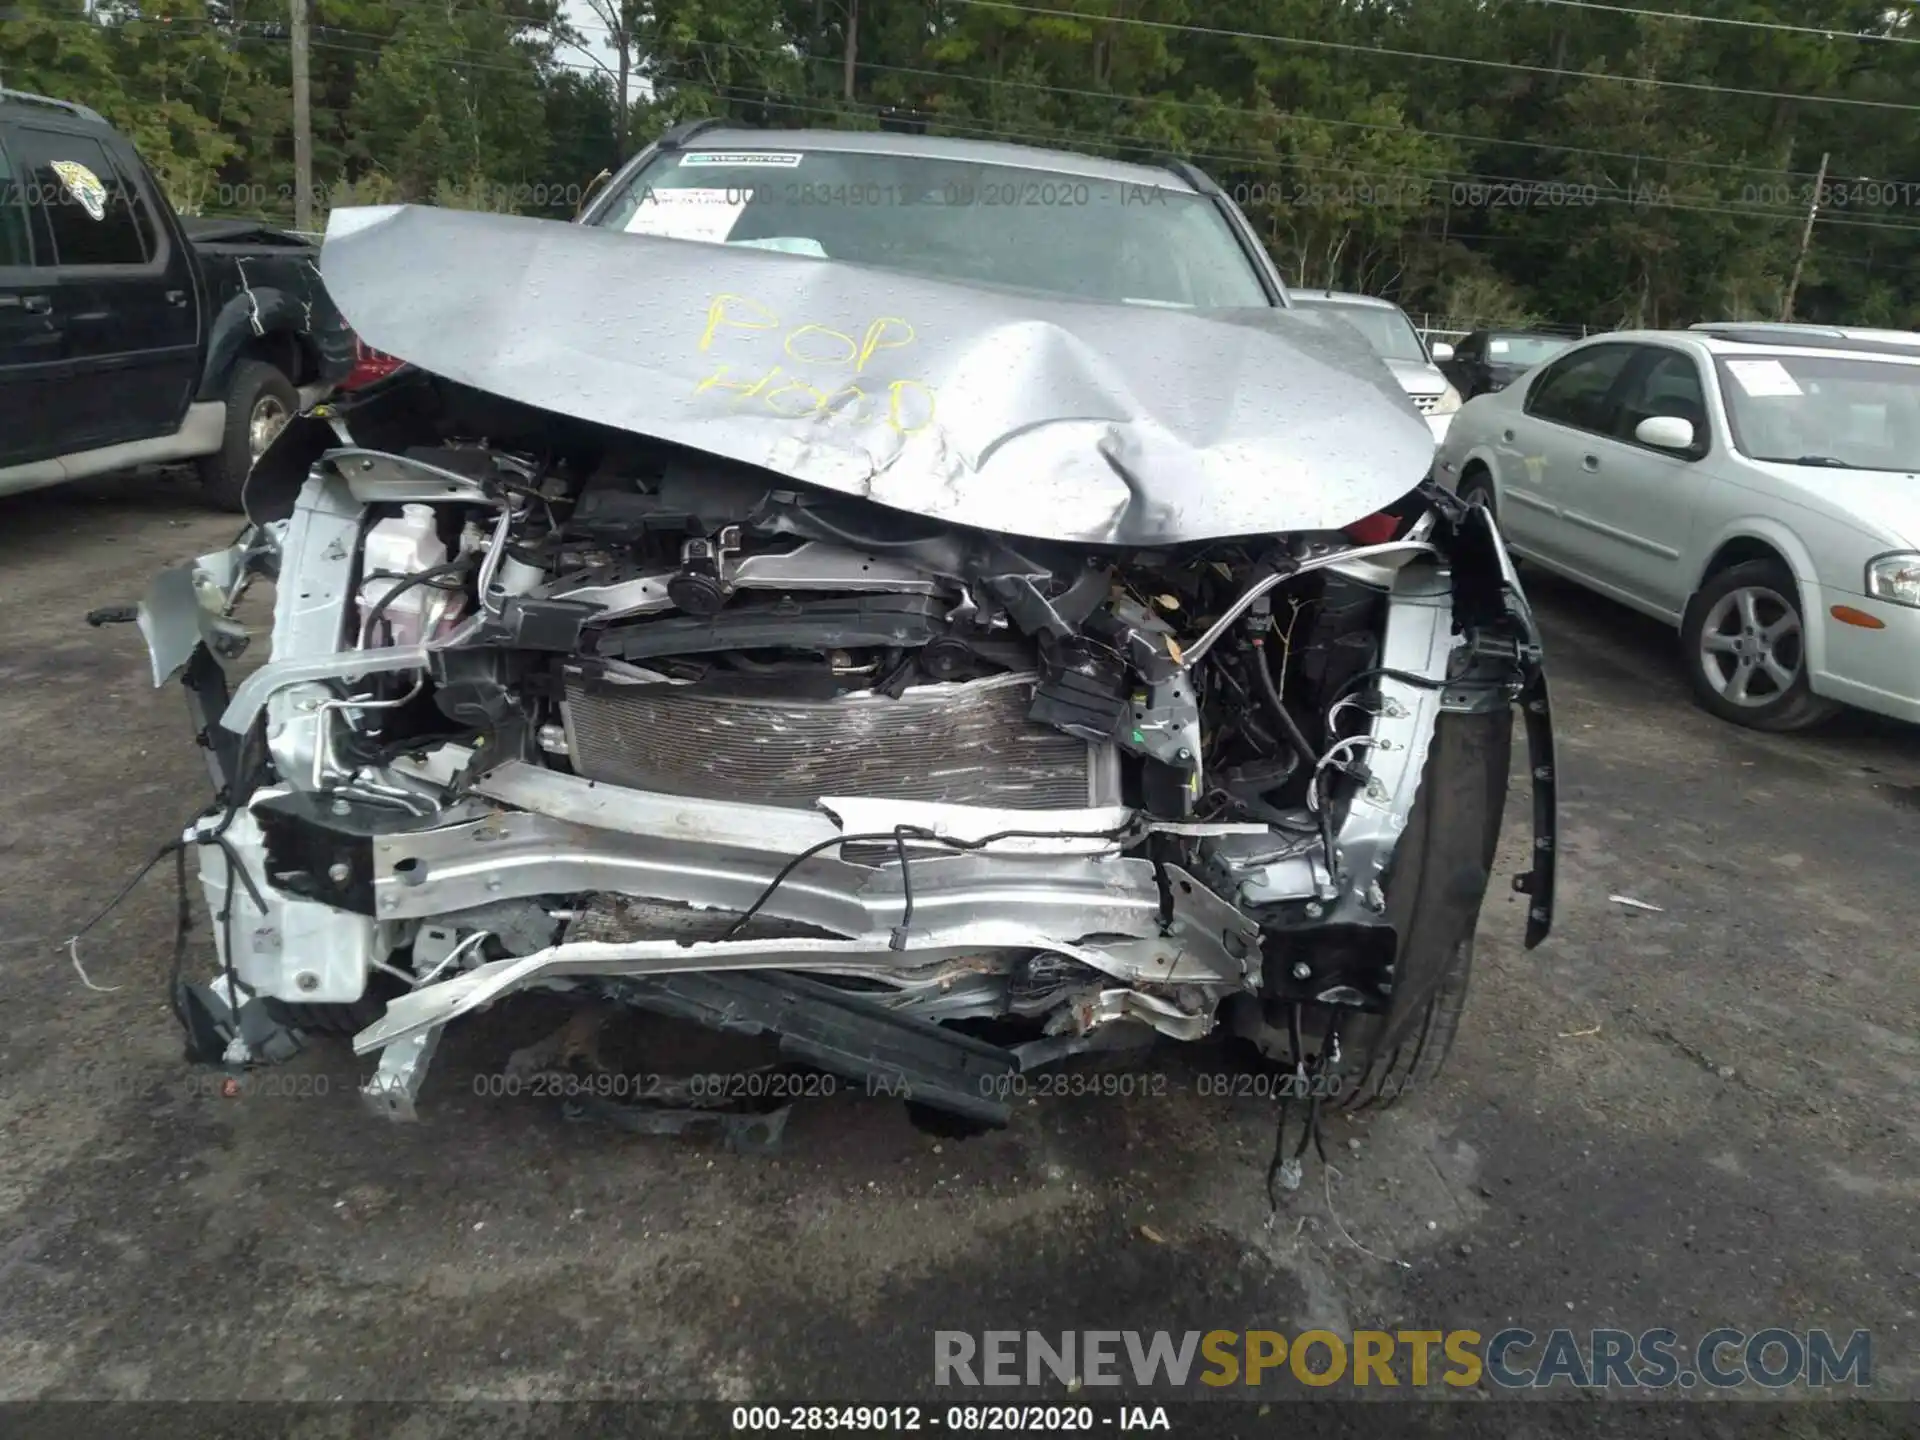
column 1762, row 378
column 1497, row 347
column 775, row 159
column 787, row 245
column 700, row 213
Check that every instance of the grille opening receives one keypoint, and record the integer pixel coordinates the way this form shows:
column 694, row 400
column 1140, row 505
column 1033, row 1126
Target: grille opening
column 961, row 744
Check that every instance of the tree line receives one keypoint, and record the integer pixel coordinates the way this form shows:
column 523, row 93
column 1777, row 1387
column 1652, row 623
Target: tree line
column 1565, row 161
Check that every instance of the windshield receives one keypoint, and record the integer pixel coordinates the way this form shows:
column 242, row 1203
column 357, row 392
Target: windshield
column 1523, row 351
column 955, row 219
column 1387, row 330
column 1824, row 410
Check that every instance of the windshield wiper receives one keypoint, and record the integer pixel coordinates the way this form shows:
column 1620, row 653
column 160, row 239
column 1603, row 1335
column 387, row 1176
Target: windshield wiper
column 1830, row 460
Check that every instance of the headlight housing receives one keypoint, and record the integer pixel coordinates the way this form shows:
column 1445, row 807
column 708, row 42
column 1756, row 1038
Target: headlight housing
column 1447, row 403
column 1895, row 578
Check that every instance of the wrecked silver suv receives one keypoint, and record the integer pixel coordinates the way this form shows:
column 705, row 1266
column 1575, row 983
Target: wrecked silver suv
column 931, row 603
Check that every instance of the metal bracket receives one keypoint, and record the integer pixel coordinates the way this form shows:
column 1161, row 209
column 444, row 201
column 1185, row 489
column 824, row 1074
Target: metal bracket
column 394, row 1089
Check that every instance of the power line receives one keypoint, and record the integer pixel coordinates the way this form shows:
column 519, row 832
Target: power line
column 1294, row 117
column 1281, row 115
column 1498, row 183
column 1469, row 180
column 1403, row 129
column 1775, row 25
column 1069, row 137
column 1385, row 50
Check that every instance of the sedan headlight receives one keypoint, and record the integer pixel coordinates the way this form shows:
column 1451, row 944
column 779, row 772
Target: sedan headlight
column 1447, row 403
column 1895, row 579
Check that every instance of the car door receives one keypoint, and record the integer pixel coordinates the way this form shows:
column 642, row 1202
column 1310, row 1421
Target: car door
column 30, row 342
column 1628, row 507
column 1548, row 435
column 123, row 294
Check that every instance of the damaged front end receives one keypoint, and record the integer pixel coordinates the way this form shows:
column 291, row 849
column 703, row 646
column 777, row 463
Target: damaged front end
column 729, row 733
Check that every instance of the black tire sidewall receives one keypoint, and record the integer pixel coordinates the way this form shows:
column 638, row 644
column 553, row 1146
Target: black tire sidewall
column 223, row 475
column 1480, row 482
column 1446, row 850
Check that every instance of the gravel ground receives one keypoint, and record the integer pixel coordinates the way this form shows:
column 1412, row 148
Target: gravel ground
column 1704, row 1115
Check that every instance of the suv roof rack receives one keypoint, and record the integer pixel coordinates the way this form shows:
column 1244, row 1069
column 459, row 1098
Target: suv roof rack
column 27, row 97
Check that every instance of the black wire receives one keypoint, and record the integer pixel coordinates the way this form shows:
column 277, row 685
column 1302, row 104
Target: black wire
column 899, row 939
column 1270, row 695
column 407, row 582
column 897, row 835
column 1325, row 812
column 234, row 867
column 182, row 926
column 1407, row 677
column 127, row 889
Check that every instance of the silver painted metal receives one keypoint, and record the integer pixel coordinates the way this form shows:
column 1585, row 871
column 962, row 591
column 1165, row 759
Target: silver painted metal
column 292, row 938
column 1168, row 1018
column 434, row 1006
column 312, row 604
column 1111, row 424
column 619, row 599
column 817, row 565
column 188, row 604
column 380, row 477
column 490, row 597
column 1743, row 640
column 393, row 1090
column 1045, row 901
column 1419, row 640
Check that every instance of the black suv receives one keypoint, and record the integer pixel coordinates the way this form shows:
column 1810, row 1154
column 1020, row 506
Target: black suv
column 129, row 336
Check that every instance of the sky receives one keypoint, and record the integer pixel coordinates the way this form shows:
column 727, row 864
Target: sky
column 594, row 36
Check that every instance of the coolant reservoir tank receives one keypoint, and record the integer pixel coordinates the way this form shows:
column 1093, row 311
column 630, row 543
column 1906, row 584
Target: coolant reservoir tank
column 405, row 544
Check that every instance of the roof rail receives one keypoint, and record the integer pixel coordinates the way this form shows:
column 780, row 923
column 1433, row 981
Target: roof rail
column 1789, row 327
column 27, row 97
column 1815, row 337
column 1187, row 171
column 680, row 134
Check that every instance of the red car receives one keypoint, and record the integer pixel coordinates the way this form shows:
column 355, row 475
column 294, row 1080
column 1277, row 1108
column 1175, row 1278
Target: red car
column 369, row 365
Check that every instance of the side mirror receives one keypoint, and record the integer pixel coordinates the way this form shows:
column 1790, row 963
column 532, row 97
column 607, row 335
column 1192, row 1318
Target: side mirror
column 1665, row 432
column 1440, row 350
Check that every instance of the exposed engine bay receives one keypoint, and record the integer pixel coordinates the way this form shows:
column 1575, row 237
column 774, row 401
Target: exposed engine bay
column 556, row 705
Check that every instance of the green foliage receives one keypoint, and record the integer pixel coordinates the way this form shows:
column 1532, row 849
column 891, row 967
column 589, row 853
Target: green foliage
column 1541, row 183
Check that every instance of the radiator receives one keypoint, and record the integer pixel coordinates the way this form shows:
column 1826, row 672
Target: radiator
column 965, row 744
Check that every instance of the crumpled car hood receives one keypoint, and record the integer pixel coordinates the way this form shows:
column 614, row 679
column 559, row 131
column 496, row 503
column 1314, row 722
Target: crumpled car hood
column 1029, row 415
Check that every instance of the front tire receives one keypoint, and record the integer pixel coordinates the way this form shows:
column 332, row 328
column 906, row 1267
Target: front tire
column 1437, row 882
column 1436, row 885
column 1744, row 638
column 260, row 401
column 1476, row 488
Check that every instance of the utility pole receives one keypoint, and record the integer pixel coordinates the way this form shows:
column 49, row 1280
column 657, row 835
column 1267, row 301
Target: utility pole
column 302, row 124
column 1806, row 240
column 852, row 48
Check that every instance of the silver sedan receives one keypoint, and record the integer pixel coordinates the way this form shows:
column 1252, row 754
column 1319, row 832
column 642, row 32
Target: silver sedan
column 1756, row 487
